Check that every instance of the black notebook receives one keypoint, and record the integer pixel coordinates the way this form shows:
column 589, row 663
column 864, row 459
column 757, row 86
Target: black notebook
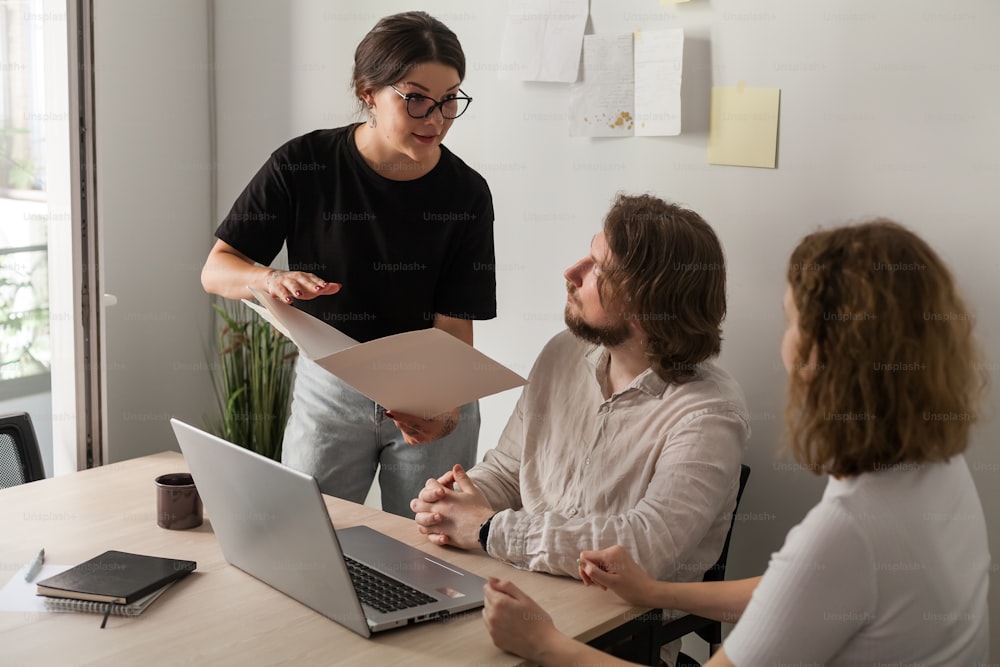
column 115, row 576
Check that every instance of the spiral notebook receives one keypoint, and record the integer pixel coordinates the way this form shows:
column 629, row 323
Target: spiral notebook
column 93, row 607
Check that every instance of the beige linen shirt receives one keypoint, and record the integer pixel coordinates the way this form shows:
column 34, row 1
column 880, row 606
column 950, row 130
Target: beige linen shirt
column 654, row 467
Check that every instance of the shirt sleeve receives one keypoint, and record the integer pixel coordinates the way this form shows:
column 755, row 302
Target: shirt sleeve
column 259, row 219
column 818, row 591
column 497, row 476
column 693, row 484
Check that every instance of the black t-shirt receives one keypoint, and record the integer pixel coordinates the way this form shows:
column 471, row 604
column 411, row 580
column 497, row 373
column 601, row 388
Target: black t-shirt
column 403, row 250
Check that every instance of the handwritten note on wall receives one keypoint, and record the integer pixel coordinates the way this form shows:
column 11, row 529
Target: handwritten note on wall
column 602, row 104
column 659, row 59
column 630, row 85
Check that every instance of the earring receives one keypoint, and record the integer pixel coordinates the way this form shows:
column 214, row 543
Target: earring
column 372, row 121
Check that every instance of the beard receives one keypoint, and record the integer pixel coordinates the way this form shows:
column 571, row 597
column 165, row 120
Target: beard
column 610, row 335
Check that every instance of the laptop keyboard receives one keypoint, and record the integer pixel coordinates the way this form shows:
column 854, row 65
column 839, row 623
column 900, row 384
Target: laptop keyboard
column 381, row 592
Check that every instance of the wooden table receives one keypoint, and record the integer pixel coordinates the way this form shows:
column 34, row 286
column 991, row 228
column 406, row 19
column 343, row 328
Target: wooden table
column 220, row 615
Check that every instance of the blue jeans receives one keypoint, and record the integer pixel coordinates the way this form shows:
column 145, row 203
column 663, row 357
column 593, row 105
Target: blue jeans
column 341, row 438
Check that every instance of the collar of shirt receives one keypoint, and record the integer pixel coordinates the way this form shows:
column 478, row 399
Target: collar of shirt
column 647, row 381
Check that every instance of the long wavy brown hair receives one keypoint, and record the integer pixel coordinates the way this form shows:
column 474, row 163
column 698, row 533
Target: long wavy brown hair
column 669, row 273
column 894, row 374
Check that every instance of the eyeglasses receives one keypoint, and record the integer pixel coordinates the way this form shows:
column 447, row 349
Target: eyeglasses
column 421, row 106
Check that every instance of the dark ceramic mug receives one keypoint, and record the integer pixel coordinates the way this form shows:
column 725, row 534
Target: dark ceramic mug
column 178, row 505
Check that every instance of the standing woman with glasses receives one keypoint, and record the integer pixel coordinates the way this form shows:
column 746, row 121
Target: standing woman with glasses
column 387, row 231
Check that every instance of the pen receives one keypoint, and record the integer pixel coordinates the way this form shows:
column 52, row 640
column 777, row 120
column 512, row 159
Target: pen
column 35, row 566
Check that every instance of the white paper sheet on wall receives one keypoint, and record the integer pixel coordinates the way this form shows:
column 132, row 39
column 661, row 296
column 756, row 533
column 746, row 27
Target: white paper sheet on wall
column 659, row 60
column 631, row 85
column 603, row 103
column 541, row 40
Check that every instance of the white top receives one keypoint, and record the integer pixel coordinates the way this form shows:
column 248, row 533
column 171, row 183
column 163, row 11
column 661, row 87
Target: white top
column 891, row 567
column 654, row 467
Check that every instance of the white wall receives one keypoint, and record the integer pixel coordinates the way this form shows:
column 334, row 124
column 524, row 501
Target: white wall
column 887, row 109
column 153, row 182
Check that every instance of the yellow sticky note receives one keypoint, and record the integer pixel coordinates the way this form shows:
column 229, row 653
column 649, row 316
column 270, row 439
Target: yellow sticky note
column 743, row 126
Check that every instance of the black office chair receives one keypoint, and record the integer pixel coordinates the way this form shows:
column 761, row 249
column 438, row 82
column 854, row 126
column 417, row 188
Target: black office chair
column 707, row 629
column 20, row 457
column 644, row 645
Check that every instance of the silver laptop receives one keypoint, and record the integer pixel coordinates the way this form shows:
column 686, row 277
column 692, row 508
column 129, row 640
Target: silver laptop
column 272, row 523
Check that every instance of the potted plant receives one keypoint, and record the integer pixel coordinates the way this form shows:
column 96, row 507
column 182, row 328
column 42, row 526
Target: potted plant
column 252, row 380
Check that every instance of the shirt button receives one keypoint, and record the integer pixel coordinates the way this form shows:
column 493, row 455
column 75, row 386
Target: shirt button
column 572, row 512
column 587, row 461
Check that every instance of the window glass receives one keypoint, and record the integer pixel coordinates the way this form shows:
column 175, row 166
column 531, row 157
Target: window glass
column 24, row 297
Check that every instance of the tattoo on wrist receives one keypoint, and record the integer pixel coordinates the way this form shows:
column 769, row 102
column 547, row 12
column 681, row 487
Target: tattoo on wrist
column 267, row 280
column 450, row 424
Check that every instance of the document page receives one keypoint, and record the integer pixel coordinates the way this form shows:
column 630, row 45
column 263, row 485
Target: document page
column 19, row 595
column 541, row 40
column 630, row 86
column 423, row 373
column 659, row 63
column 602, row 103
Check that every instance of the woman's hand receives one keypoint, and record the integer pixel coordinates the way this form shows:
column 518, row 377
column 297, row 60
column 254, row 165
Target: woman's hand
column 614, row 569
column 417, row 430
column 290, row 285
column 228, row 273
column 517, row 623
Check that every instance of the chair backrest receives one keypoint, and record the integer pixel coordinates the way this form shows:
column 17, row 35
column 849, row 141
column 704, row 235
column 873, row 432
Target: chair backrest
column 645, row 643
column 20, row 457
column 712, row 633
column 718, row 571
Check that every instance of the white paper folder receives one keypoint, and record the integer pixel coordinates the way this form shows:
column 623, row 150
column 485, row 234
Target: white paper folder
column 423, row 372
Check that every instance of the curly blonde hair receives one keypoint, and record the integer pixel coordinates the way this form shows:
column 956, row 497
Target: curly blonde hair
column 894, row 371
